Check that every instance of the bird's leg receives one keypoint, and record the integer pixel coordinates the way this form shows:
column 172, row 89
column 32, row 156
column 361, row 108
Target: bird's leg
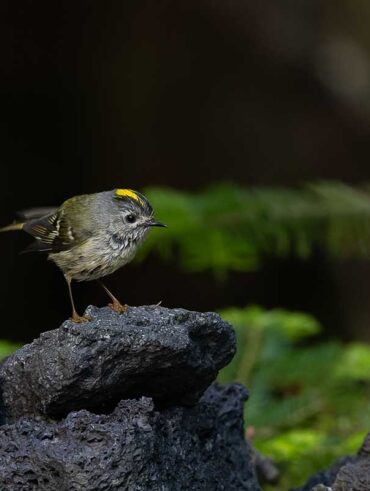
column 75, row 317
column 115, row 305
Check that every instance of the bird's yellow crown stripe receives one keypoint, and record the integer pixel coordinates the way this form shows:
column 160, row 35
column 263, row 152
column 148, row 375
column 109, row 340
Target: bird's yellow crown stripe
column 128, row 193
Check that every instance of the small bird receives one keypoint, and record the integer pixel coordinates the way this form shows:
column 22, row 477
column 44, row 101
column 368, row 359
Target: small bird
column 90, row 236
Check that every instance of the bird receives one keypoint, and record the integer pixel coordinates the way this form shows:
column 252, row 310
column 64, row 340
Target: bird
column 90, row 236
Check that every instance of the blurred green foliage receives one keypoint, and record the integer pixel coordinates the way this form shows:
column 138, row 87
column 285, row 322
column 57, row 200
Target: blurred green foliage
column 310, row 399
column 7, row 347
column 227, row 227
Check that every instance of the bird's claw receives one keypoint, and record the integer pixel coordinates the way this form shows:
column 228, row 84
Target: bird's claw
column 118, row 307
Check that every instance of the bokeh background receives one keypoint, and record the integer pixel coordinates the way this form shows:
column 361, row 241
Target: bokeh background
column 177, row 97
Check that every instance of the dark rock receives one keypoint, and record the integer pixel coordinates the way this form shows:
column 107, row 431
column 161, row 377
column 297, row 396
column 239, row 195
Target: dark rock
column 324, row 477
column 346, row 474
column 135, row 448
column 170, row 355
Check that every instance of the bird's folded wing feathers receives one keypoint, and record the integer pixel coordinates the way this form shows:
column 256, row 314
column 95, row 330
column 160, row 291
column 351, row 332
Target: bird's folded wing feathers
column 53, row 233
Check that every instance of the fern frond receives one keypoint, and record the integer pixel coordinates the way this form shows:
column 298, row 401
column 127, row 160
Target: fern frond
column 230, row 228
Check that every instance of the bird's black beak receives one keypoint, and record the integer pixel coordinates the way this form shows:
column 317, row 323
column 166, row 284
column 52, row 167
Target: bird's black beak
column 154, row 223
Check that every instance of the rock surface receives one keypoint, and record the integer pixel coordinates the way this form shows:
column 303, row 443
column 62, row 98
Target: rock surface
column 135, row 448
column 170, row 355
column 347, row 474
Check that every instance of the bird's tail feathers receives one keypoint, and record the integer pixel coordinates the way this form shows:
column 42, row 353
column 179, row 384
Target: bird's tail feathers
column 12, row 226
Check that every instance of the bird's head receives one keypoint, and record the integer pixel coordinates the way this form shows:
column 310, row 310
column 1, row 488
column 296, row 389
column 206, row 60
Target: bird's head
column 134, row 214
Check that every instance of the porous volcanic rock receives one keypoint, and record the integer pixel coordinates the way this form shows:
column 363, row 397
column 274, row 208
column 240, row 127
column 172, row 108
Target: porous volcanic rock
column 170, row 355
column 135, row 448
column 350, row 473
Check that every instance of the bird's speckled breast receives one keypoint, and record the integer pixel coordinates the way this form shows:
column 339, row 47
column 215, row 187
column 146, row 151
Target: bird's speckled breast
column 96, row 257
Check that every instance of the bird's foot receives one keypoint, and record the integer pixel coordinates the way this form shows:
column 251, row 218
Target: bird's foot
column 118, row 307
column 80, row 319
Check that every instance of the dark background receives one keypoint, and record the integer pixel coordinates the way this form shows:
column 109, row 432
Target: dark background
column 97, row 95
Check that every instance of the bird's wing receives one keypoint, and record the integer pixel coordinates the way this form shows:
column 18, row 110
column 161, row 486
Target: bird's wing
column 53, row 233
column 33, row 213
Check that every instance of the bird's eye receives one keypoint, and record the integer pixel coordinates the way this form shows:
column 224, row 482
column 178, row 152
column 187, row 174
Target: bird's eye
column 130, row 218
